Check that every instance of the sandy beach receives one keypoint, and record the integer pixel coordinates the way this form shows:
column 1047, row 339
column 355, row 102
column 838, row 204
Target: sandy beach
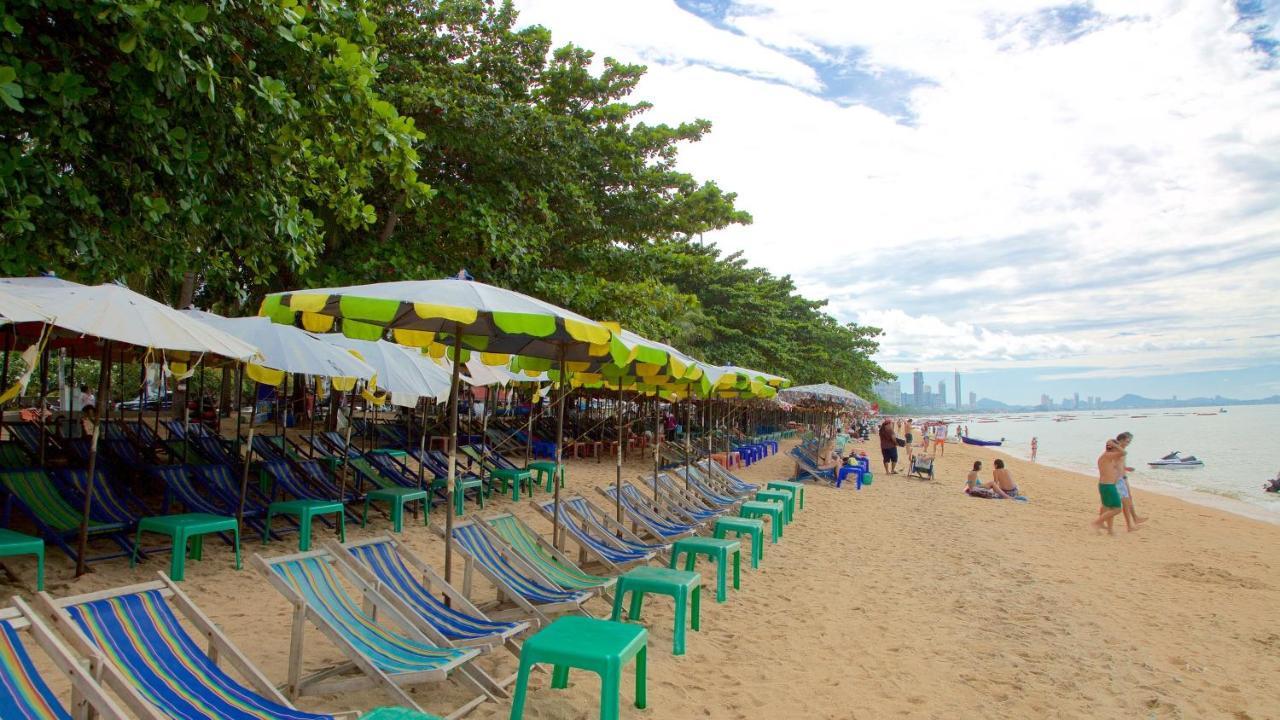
column 907, row 598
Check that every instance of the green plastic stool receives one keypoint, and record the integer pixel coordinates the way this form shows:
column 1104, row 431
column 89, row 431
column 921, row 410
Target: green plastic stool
column 545, row 470
column 684, row 586
column 792, row 500
column 513, row 477
column 15, row 543
column 184, row 528
column 305, row 511
column 462, row 485
column 397, row 713
column 397, row 498
column 597, row 646
column 762, row 509
column 783, row 496
column 751, row 527
column 717, row 549
column 788, row 485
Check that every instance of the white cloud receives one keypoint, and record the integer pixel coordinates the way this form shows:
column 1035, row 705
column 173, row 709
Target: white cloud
column 1045, row 192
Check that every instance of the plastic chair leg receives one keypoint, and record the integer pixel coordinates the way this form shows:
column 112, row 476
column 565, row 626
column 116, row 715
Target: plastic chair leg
column 642, row 677
column 560, row 677
column 681, row 617
column 610, row 700
column 521, row 689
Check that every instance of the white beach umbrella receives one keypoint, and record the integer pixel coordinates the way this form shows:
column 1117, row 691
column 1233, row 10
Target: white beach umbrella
column 289, row 349
column 405, row 372
column 16, row 310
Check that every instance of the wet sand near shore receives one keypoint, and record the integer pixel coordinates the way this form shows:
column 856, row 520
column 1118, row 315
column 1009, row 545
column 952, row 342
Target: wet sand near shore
column 907, row 598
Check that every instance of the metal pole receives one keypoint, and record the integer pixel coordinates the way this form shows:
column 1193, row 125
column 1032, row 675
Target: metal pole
column 44, row 392
column 104, row 386
column 528, row 435
column 657, row 444
column 559, row 469
column 453, row 450
column 617, row 483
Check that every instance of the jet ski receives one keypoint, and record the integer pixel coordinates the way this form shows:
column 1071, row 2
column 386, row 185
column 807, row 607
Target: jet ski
column 1175, row 460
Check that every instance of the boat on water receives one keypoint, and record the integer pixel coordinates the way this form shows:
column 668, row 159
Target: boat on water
column 1175, row 460
column 985, row 443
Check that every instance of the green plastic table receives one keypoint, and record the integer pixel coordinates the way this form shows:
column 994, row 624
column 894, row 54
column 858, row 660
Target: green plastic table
column 545, row 470
column 783, row 496
column 751, row 527
column 684, row 586
column 717, row 549
column 305, row 511
column 598, row 646
column 788, row 485
column 513, row 477
column 397, row 498
column 15, row 543
column 460, row 494
column 397, row 713
column 762, row 509
column 184, row 528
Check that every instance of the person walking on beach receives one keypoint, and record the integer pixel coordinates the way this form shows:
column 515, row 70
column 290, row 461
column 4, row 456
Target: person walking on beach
column 1035, row 445
column 1110, row 467
column 888, row 448
column 906, row 432
column 1131, row 519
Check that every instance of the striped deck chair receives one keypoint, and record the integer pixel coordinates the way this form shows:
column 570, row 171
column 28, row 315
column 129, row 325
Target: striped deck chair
column 514, row 577
column 387, row 657
column 13, row 456
column 544, row 556
column 721, row 475
column 24, row 693
column 35, row 494
column 290, row 482
column 136, row 632
column 655, row 519
column 28, row 436
column 611, row 543
column 686, row 502
column 409, row 578
column 670, row 503
column 807, row 468
column 708, row 489
column 177, row 482
column 109, row 505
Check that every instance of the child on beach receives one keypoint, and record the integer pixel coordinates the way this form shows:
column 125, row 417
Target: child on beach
column 1110, row 468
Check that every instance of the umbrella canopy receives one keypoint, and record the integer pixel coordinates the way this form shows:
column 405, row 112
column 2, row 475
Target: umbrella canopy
column 118, row 314
column 404, row 372
column 14, row 309
column 822, row 393
column 286, row 349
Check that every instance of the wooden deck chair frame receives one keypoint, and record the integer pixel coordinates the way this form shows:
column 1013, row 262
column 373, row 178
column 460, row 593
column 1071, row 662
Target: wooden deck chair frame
column 610, row 523
column 540, row 613
column 88, row 696
column 484, row 522
column 327, row 681
column 686, row 500
column 718, row 482
column 723, row 477
column 672, row 499
column 643, row 522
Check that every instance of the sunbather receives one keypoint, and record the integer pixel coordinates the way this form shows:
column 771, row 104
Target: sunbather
column 973, row 485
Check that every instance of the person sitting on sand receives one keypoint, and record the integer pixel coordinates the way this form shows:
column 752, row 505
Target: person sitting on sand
column 973, row 485
column 1002, row 482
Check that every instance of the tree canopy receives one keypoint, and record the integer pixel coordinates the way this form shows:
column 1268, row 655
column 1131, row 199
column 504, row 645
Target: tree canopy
column 268, row 144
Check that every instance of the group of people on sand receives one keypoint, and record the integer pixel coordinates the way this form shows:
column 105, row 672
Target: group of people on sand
column 1001, row 486
column 1113, row 486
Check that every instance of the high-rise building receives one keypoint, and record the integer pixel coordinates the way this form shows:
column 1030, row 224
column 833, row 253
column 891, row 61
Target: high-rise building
column 1075, row 401
column 973, row 399
column 942, row 394
column 917, row 385
column 958, row 403
column 889, row 391
column 1045, row 402
column 1066, row 403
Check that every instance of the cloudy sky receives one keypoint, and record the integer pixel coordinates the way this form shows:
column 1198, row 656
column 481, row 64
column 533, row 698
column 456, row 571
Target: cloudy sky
column 1048, row 197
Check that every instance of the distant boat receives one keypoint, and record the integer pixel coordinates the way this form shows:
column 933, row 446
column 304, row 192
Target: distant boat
column 1207, row 413
column 1174, row 460
column 986, row 443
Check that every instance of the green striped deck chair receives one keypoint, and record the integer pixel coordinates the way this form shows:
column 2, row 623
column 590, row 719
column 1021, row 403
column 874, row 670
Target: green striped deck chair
column 13, row 456
column 136, row 632
column 543, row 556
column 24, row 692
column 388, row 656
column 56, row 519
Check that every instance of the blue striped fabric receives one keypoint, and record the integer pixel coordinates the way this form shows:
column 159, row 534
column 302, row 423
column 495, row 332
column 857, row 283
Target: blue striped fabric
column 638, row 505
column 736, row 484
column 581, row 508
column 315, row 581
column 689, row 507
column 141, row 636
column 535, row 591
column 108, row 506
column 24, row 695
column 695, row 477
column 609, row 552
column 387, row 565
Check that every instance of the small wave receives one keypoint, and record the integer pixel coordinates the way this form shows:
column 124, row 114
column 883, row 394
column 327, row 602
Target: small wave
column 1233, row 494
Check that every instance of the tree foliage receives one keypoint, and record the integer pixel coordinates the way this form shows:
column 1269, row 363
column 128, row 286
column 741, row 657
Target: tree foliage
column 267, row 144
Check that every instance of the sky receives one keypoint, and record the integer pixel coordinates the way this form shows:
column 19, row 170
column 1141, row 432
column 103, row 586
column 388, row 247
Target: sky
column 1057, row 197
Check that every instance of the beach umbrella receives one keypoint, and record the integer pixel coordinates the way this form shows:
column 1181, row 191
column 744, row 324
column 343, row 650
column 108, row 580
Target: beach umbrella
column 453, row 317
column 116, row 315
column 13, row 309
column 822, row 393
column 287, row 349
column 406, row 373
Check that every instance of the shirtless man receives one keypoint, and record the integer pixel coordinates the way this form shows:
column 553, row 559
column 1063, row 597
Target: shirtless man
column 1110, row 467
column 1131, row 519
column 1002, row 482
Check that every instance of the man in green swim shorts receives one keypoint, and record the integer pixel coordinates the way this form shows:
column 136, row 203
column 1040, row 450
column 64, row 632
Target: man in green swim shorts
column 1110, row 468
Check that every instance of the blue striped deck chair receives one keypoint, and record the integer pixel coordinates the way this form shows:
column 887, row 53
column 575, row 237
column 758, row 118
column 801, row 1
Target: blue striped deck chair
column 514, row 577
column 136, row 632
column 543, row 556
column 305, row 489
column 730, row 482
column 24, row 693
column 698, row 484
column 388, row 656
column 806, row 467
column 599, row 534
column 58, row 521
column 109, row 505
column 645, row 513
column 687, row 502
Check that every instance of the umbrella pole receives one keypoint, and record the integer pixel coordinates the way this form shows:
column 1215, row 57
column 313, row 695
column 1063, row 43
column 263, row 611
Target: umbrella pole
column 453, row 451
column 617, row 482
column 4, row 368
column 44, row 393
column 239, row 405
column 688, row 434
column 558, row 473
column 244, row 482
column 104, row 384
column 657, row 444
column 315, row 404
column 422, row 451
column 528, row 435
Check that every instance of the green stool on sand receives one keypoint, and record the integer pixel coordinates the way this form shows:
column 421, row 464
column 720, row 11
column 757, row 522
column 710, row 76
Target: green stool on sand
column 15, row 543
column 762, row 509
column 397, row 713
column 545, row 470
column 751, row 527
column 598, row 646
column 788, row 485
column 683, row 585
column 513, row 477
column 783, row 496
column 397, row 498
column 182, row 528
column 305, row 511
column 717, row 549
column 460, row 494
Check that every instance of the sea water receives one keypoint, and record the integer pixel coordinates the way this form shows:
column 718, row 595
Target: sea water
column 1239, row 448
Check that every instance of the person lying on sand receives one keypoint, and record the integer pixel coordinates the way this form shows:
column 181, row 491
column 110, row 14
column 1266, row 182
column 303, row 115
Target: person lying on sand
column 973, row 486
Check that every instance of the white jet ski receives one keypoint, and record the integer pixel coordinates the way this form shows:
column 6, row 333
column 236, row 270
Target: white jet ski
column 1175, row 460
